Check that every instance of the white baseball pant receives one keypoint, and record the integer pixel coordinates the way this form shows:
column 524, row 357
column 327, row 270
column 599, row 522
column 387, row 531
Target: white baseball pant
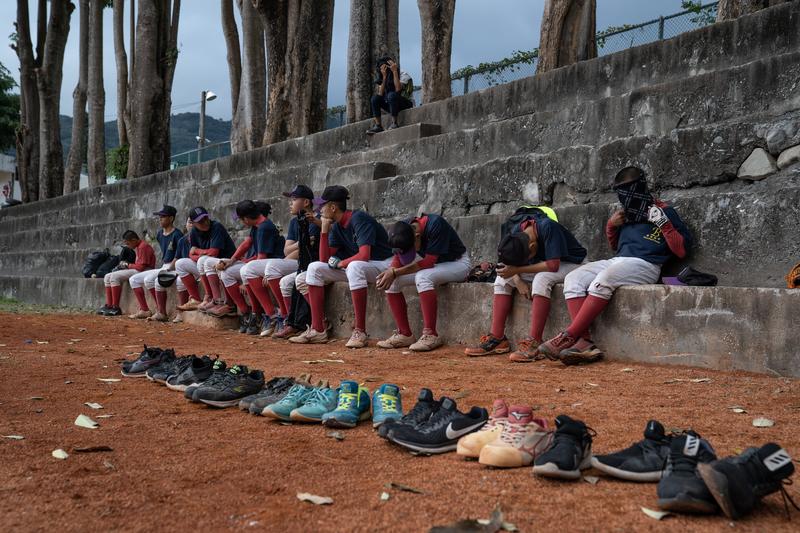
column 541, row 283
column 602, row 278
column 439, row 274
column 358, row 274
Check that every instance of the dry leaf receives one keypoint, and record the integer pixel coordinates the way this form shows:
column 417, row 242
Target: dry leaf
column 59, row 454
column 86, row 422
column 404, row 488
column 626, row 370
column 81, row 329
column 406, row 353
column 93, row 405
column 13, row 437
column 109, row 380
column 338, row 435
column 109, row 465
column 36, row 398
column 104, row 416
column 593, row 384
column 313, row 498
column 319, row 361
column 762, row 422
column 700, row 380
column 93, row 449
column 658, row 515
column 592, row 480
column 67, row 382
column 42, row 342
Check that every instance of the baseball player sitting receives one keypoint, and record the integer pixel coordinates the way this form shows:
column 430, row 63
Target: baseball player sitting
column 538, row 253
column 645, row 234
column 167, row 277
column 264, row 241
column 210, row 243
column 167, row 237
column 354, row 248
column 145, row 260
column 427, row 252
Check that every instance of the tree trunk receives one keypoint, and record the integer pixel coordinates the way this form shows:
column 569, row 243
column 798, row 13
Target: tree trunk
column 48, row 80
column 77, row 148
column 122, row 71
column 28, row 133
column 731, row 9
column 436, row 18
column 96, row 156
column 231, row 33
column 568, row 33
column 150, row 99
column 250, row 117
column 373, row 34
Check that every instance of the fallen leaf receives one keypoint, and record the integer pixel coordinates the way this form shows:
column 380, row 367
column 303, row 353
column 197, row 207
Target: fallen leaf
column 592, row 384
column 86, row 422
column 93, row 449
column 109, row 380
column 59, row 454
column 626, row 370
column 404, row 488
column 104, row 416
column 109, row 465
column 313, row 498
column 81, row 329
column 320, row 361
column 93, row 405
column 406, row 353
column 559, row 389
column 338, row 435
column 67, row 382
column 592, row 480
column 36, row 398
column 13, row 437
column 76, row 340
column 42, row 342
column 658, row 515
column 700, row 380
column 385, row 496
column 737, row 409
column 762, row 422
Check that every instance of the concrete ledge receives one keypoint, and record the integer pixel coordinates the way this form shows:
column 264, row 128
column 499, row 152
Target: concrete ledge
column 411, row 132
column 361, row 172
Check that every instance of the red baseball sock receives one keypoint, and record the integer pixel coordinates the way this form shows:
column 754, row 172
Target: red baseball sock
column 206, row 287
column 307, row 297
column 539, row 312
column 261, row 295
column 213, row 282
column 183, row 296
column 238, row 299
column 191, row 287
column 161, row 301
column 316, row 297
column 360, row 308
column 287, row 301
column 153, row 293
column 109, row 297
column 501, row 307
column 429, row 304
column 139, row 293
column 116, row 294
column 397, row 303
column 590, row 310
column 574, row 306
column 275, row 287
column 254, row 303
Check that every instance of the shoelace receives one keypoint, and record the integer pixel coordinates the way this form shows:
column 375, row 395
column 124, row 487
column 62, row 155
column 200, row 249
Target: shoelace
column 318, row 396
column 418, row 414
column 486, row 339
column 750, row 465
column 295, row 393
column 346, row 401
column 388, row 402
column 513, row 434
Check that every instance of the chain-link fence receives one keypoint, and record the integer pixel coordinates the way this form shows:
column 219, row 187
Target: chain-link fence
column 200, row 155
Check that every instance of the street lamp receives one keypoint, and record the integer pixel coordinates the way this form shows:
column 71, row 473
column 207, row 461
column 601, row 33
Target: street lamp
column 205, row 96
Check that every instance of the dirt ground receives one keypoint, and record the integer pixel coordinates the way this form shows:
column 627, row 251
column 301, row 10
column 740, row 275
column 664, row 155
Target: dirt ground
column 186, row 467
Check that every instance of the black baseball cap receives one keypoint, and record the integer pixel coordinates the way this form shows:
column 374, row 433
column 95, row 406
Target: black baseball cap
column 166, row 211
column 332, row 193
column 513, row 249
column 198, row 213
column 300, row 191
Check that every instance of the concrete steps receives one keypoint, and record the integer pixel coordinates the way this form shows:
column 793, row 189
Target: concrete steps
column 407, row 133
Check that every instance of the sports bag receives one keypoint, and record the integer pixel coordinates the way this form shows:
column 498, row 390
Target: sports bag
column 107, row 266
column 93, row 262
column 522, row 214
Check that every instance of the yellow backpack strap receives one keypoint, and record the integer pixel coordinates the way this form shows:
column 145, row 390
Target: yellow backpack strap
column 544, row 209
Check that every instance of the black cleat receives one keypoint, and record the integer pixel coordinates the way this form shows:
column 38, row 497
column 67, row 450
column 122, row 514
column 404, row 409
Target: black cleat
column 569, row 453
column 170, row 367
column 642, row 461
column 254, row 324
column 218, row 370
column 418, row 414
column 237, row 383
column 149, row 358
column 440, row 433
column 244, row 322
column 681, row 489
column 376, row 128
column 198, row 370
column 273, row 391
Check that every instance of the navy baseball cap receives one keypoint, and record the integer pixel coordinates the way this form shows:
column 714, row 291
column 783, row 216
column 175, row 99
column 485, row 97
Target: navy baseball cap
column 513, row 249
column 300, row 191
column 332, row 193
column 198, row 213
column 166, row 211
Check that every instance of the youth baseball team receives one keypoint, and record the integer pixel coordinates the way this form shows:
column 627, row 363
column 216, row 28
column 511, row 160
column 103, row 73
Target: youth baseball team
column 326, row 241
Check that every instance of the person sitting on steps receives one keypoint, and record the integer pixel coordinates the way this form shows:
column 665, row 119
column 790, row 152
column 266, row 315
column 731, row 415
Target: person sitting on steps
column 395, row 89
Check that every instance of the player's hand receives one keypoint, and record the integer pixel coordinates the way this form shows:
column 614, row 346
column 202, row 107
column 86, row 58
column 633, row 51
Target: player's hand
column 523, row 288
column 385, row 279
column 617, row 219
column 222, row 265
column 123, row 264
column 657, row 216
column 312, row 219
column 334, row 261
column 507, row 271
column 384, row 68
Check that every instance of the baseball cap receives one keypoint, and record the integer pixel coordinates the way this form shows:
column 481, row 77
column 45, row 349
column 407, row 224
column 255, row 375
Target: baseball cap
column 332, row 193
column 690, row 276
column 300, row 191
column 513, row 249
column 198, row 213
column 166, row 211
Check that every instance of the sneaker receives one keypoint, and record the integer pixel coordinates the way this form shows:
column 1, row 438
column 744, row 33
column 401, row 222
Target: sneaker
column 267, row 326
column 270, row 387
column 205, row 305
column 489, row 345
column 738, row 483
column 282, row 409
column 527, row 351
column 169, row 367
column 197, row 371
column 387, row 404
column 285, row 332
column 279, row 321
column 191, row 305
column 310, row 336
column 244, row 322
column 441, row 432
column 238, row 382
column 254, row 324
column 218, row 370
column 397, row 340
column 222, row 310
column 393, row 126
column 358, row 339
column 113, row 311
column 376, row 128
column 642, row 461
column 167, row 360
column 552, row 348
column 353, row 406
column 472, row 444
column 321, row 400
column 178, row 318
column 140, row 315
column 582, row 353
column 150, row 357
column 158, row 317
column 521, row 442
column 418, row 414
column 569, row 453
column 103, row 310
column 427, row 342
column 274, row 394
column 681, row 488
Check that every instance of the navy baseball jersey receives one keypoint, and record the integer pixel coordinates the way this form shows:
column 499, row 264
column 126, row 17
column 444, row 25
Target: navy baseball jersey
column 216, row 237
column 360, row 229
column 168, row 244
column 646, row 241
column 439, row 238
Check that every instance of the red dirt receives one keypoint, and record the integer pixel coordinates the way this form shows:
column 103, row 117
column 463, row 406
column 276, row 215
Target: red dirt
column 181, row 466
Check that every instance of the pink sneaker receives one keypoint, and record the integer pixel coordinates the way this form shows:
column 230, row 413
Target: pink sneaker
column 556, row 345
column 471, row 445
column 522, row 440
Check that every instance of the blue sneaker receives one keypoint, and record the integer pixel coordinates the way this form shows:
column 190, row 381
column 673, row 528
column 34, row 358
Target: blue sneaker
column 321, row 400
column 386, row 404
column 277, row 324
column 352, row 407
column 296, row 397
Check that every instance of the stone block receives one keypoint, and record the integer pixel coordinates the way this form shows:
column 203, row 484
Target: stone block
column 788, row 157
column 359, row 173
column 403, row 134
column 758, row 165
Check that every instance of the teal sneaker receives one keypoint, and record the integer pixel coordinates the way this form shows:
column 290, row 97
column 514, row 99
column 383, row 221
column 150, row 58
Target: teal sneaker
column 320, row 401
column 296, row 397
column 352, row 407
column 386, row 404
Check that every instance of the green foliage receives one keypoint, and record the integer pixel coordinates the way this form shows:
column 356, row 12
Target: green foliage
column 600, row 38
column 9, row 110
column 117, row 162
column 493, row 72
column 703, row 16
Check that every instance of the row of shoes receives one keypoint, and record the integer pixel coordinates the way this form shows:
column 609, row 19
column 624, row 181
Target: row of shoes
column 274, row 326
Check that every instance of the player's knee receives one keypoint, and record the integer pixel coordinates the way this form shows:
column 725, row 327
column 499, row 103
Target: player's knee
column 424, row 282
column 600, row 289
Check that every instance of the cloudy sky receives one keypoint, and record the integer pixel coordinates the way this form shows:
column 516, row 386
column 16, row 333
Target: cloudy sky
column 485, row 30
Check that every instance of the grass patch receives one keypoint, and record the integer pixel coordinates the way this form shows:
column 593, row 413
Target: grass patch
column 14, row 306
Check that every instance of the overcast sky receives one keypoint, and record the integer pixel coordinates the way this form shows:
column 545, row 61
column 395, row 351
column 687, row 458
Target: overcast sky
column 485, row 30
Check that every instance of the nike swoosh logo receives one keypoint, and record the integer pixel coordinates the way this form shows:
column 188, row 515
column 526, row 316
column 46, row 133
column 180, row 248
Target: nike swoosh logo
column 451, row 434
